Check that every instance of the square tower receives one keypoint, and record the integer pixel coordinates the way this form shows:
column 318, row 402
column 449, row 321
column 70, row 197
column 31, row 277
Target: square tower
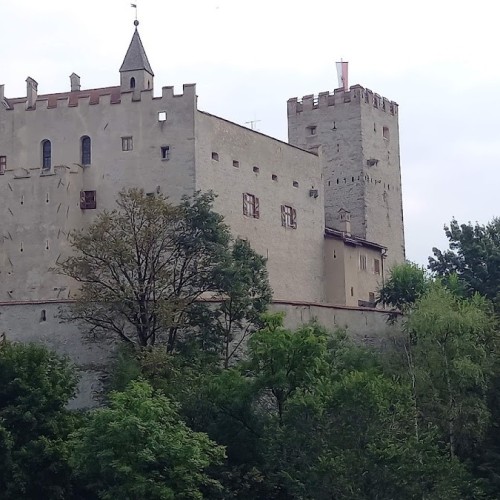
column 358, row 134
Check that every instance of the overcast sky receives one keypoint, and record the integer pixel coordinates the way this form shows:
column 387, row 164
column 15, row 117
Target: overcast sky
column 438, row 59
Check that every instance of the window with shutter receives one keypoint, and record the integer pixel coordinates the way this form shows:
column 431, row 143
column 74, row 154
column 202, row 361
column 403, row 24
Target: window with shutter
column 376, row 266
column 251, row 205
column 288, row 216
column 3, row 164
column 88, row 200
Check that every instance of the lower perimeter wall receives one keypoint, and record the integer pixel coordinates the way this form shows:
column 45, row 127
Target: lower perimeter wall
column 39, row 322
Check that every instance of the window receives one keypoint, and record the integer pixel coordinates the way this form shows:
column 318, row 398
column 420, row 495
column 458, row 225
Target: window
column 236, row 164
column 288, row 216
column 43, row 316
column 385, row 133
column 88, row 200
column 215, row 156
column 376, row 266
column 256, row 169
column 312, row 130
column 295, row 184
column 274, row 177
column 371, row 298
column 251, row 205
column 86, row 150
column 46, row 155
column 3, row 164
column 132, row 83
column 162, row 116
column 362, row 262
column 127, row 144
column 165, row 152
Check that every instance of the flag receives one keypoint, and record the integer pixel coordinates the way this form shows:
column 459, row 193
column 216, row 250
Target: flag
column 133, row 5
column 343, row 75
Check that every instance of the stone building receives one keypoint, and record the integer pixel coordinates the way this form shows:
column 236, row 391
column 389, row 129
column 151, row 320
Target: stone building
column 325, row 208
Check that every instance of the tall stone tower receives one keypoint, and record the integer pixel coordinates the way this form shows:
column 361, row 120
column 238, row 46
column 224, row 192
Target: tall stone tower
column 358, row 134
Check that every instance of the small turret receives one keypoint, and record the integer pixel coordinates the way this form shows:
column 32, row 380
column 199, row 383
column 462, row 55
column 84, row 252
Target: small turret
column 135, row 72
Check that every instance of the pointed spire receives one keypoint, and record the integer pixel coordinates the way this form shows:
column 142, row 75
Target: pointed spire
column 136, row 58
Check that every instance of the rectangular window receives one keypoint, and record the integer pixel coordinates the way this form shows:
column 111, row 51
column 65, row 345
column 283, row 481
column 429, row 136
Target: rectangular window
column 288, row 216
column 215, row 156
column 312, row 130
column 376, row 266
column 165, row 152
column 362, row 262
column 127, row 144
column 251, row 205
column 236, row 164
column 3, row 164
column 88, row 200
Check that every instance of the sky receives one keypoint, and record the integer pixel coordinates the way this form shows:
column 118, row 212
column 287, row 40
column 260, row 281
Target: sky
column 437, row 59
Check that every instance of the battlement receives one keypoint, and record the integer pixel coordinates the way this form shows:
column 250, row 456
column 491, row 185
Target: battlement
column 356, row 93
column 92, row 97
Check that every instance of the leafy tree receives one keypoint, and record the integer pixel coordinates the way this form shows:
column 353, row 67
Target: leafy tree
column 244, row 295
column 138, row 447
column 407, row 282
column 35, row 386
column 473, row 255
column 453, row 351
column 142, row 266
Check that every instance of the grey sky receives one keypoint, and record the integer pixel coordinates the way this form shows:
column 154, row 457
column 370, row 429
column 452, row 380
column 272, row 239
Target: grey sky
column 437, row 59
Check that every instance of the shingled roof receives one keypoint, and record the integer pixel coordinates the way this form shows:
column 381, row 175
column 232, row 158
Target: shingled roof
column 136, row 57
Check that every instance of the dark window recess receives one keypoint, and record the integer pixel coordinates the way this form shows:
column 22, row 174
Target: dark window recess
column 43, row 315
column 215, row 156
column 46, row 155
column 3, row 164
column 251, row 206
column 88, row 200
column 165, row 152
column 274, row 177
column 132, row 83
column 288, row 216
column 127, row 144
column 236, row 164
column 376, row 266
column 295, row 184
column 86, row 150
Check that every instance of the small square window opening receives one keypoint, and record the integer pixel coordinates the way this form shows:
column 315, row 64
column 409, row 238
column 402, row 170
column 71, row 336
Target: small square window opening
column 127, row 144
column 162, row 116
column 236, row 164
column 215, row 156
column 256, row 170
column 295, row 184
column 312, row 130
column 274, row 177
column 165, row 152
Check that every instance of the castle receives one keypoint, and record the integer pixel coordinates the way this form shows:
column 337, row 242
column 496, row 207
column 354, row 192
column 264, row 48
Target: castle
column 324, row 208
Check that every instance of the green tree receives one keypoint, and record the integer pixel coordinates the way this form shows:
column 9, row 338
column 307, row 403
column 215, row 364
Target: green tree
column 142, row 266
column 473, row 255
column 406, row 283
column 453, row 351
column 35, row 386
column 244, row 295
column 138, row 447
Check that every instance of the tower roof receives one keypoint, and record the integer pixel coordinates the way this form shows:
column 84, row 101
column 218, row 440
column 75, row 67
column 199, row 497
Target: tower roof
column 136, row 57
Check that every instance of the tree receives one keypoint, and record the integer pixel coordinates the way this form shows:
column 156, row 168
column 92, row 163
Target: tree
column 138, row 447
column 35, row 386
column 453, row 351
column 407, row 282
column 142, row 266
column 244, row 295
column 474, row 256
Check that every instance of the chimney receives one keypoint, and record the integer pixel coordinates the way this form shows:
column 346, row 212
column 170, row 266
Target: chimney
column 345, row 221
column 2, row 90
column 31, row 92
column 75, row 82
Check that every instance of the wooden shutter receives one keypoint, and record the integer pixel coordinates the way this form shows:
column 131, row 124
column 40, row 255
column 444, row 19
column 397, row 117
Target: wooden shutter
column 245, row 211
column 256, row 210
column 294, row 218
column 3, row 164
column 283, row 216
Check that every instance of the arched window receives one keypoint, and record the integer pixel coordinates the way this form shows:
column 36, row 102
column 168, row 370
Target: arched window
column 46, row 154
column 86, row 150
column 132, row 83
column 385, row 133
